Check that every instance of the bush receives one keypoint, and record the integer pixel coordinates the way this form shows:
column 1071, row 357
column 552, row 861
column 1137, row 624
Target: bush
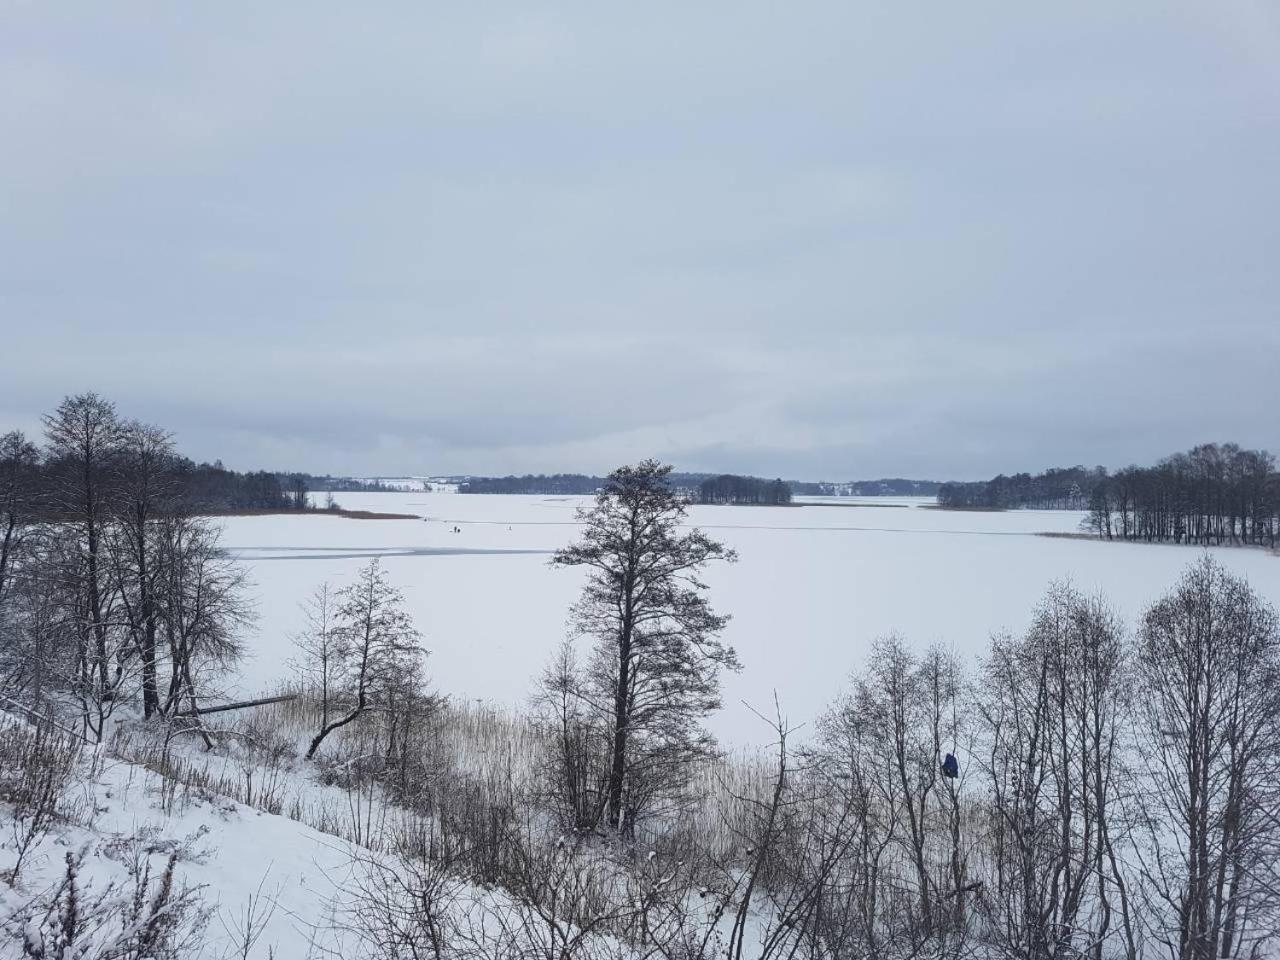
column 36, row 763
column 148, row 920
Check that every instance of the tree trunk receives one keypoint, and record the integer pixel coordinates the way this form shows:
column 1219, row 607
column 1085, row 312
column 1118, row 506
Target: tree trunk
column 621, row 717
column 150, row 695
column 6, row 548
column 238, row 705
column 94, row 597
column 329, row 728
column 622, row 696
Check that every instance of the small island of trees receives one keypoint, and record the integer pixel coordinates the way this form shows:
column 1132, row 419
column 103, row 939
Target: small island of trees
column 751, row 491
column 1211, row 495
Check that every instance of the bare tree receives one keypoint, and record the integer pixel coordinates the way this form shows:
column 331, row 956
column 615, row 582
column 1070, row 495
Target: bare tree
column 1209, row 662
column 897, row 700
column 19, row 494
column 146, row 490
column 1054, row 708
column 404, row 908
column 901, row 882
column 847, row 768
column 574, row 771
column 319, row 648
column 19, row 461
column 61, row 636
column 84, row 438
column 35, row 626
column 654, row 673
column 298, row 491
column 200, row 595
column 378, row 643
column 779, row 895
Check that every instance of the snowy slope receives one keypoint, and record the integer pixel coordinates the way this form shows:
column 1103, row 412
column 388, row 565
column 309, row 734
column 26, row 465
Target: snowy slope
column 232, row 851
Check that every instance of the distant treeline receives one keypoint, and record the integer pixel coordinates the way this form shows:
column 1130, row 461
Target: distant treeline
column 340, row 484
column 212, row 487
column 728, row 488
column 562, row 484
column 1058, row 488
column 1213, row 494
column 884, row 487
column 578, row 484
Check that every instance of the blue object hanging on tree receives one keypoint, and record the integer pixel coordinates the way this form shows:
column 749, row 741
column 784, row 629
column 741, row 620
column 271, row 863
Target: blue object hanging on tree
column 950, row 767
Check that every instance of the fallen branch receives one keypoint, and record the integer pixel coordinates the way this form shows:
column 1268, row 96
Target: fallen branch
column 238, row 705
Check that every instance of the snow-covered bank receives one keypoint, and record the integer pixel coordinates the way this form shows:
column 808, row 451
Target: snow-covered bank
column 121, row 815
column 250, row 883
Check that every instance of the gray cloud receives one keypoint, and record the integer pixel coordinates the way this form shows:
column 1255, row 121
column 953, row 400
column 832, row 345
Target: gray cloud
column 848, row 239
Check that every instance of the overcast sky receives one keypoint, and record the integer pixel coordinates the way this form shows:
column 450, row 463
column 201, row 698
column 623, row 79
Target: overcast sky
column 821, row 240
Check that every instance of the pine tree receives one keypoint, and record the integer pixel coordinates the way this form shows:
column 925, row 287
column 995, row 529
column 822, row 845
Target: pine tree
column 654, row 672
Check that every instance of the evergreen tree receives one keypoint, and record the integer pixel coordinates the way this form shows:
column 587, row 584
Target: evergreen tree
column 654, row 673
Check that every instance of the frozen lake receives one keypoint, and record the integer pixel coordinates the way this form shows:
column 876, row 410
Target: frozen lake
column 815, row 584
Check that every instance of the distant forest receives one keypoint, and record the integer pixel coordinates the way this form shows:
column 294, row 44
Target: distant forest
column 556, row 484
column 578, row 484
column 755, row 491
column 338, row 484
column 1058, row 488
column 565, row 484
column 1212, row 494
column 211, row 487
column 884, row 487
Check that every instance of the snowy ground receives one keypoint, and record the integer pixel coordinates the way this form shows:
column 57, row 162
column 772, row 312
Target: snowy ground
column 228, row 850
column 814, row 586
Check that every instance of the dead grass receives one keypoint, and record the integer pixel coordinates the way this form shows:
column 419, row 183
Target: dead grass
column 349, row 514
column 473, row 779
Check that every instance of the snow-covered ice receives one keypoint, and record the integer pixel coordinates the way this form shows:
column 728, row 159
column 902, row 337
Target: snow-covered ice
column 814, row 586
